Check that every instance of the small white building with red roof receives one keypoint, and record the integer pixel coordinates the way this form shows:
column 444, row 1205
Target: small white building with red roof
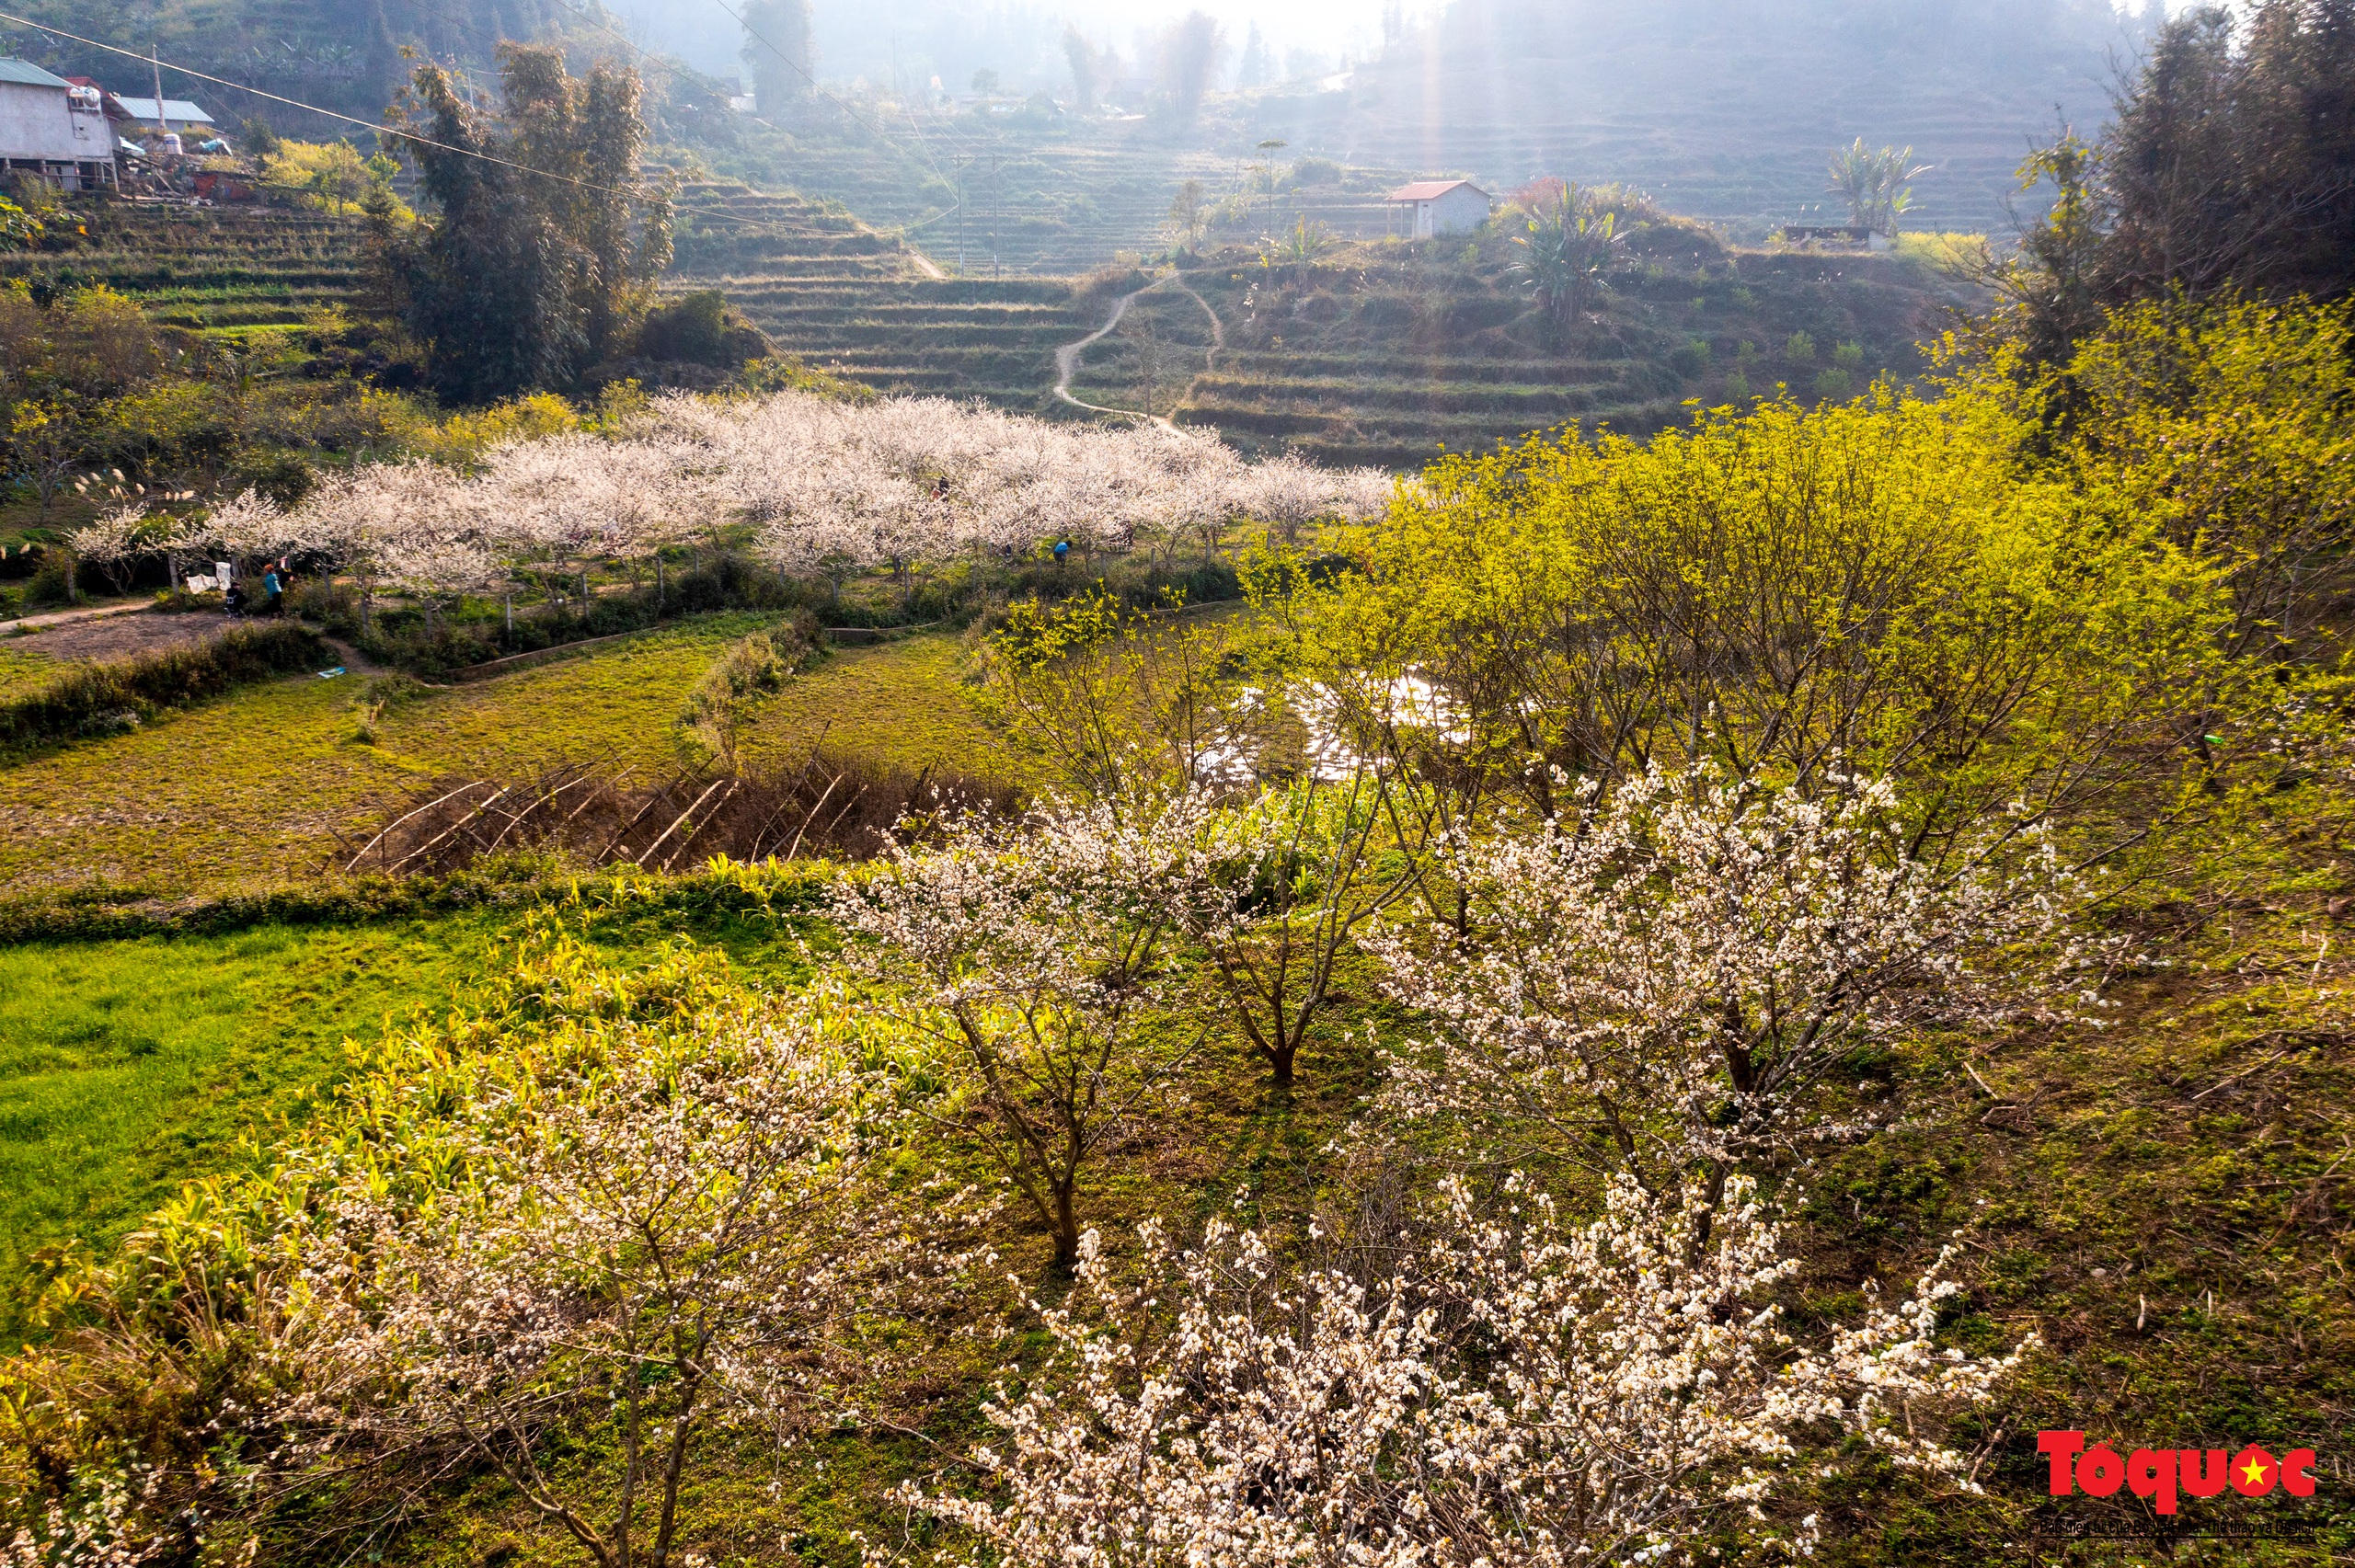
column 1437, row 208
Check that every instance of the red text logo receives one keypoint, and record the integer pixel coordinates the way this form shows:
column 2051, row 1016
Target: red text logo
column 2160, row 1474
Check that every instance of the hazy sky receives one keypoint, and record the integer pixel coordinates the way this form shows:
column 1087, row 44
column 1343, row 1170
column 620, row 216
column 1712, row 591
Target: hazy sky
column 1018, row 38
column 858, row 36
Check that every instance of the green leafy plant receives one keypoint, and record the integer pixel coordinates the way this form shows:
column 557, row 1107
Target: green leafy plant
column 1564, row 249
column 1875, row 184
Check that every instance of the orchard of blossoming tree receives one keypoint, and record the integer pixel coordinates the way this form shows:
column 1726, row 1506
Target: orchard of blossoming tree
column 822, row 491
column 1574, row 875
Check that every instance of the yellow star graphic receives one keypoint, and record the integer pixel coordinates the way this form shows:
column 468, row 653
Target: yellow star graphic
column 2254, row 1470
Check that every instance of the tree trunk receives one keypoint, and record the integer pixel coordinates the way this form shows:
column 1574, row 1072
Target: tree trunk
column 1280, row 1062
column 1066, row 1229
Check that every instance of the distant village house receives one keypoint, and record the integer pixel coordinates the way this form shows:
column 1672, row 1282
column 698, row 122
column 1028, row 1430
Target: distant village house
column 1437, row 208
column 178, row 116
column 53, row 128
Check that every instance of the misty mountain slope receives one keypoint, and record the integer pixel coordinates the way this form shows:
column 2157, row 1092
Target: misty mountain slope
column 340, row 54
column 1725, row 108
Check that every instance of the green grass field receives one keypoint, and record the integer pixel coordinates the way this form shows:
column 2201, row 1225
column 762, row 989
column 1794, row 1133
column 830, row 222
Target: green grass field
column 23, row 669
column 252, row 789
column 129, row 1068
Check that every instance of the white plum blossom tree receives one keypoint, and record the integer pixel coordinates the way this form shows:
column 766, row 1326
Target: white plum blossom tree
column 116, row 543
column 1514, row 1393
column 646, row 1230
column 1033, row 957
column 1672, row 977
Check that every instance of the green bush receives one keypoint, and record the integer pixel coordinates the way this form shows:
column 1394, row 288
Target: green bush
column 99, row 699
column 699, row 329
column 53, row 579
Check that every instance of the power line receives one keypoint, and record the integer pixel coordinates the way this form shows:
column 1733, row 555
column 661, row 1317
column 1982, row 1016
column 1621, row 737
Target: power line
column 46, row 30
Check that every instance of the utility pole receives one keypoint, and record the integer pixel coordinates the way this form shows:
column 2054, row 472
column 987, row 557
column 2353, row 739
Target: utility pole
column 960, row 216
column 155, row 60
column 1269, row 149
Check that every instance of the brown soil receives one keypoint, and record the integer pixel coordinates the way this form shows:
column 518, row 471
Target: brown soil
column 107, row 638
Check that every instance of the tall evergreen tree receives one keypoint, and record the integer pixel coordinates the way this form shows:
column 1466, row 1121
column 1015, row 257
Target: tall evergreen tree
column 780, row 50
column 539, row 257
column 2231, row 163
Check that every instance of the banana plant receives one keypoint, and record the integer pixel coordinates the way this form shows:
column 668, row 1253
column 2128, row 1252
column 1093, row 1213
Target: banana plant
column 1874, row 184
column 1564, row 252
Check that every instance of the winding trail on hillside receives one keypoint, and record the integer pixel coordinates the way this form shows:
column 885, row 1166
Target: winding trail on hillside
column 1067, row 357
column 1218, row 327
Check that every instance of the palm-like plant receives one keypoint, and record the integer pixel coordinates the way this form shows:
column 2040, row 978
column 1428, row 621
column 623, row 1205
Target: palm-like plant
column 1568, row 244
column 1875, row 184
column 1307, row 242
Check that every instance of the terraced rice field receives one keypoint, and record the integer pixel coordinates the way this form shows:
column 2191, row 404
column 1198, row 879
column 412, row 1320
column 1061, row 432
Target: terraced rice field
column 865, row 307
column 210, row 268
column 1036, row 200
column 1393, row 355
column 1374, row 352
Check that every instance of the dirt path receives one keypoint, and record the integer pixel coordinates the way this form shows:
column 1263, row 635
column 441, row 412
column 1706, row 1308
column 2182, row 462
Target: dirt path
column 1067, row 357
column 102, row 639
column 354, row 661
column 68, row 617
column 1218, row 327
column 927, row 265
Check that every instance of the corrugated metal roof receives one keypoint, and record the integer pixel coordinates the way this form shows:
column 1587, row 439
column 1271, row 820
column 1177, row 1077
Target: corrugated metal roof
column 174, row 109
column 1430, row 190
column 25, row 74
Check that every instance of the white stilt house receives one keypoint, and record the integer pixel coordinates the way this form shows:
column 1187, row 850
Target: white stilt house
column 49, row 127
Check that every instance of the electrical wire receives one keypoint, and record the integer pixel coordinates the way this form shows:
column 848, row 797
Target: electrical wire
column 803, row 72
column 368, row 125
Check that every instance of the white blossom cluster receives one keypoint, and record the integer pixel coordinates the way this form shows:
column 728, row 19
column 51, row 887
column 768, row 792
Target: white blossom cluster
column 831, row 487
column 96, row 1533
column 1684, row 962
column 1516, row 1394
column 907, row 480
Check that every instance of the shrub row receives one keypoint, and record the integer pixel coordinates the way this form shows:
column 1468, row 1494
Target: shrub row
column 115, row 914
column 98, row 699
